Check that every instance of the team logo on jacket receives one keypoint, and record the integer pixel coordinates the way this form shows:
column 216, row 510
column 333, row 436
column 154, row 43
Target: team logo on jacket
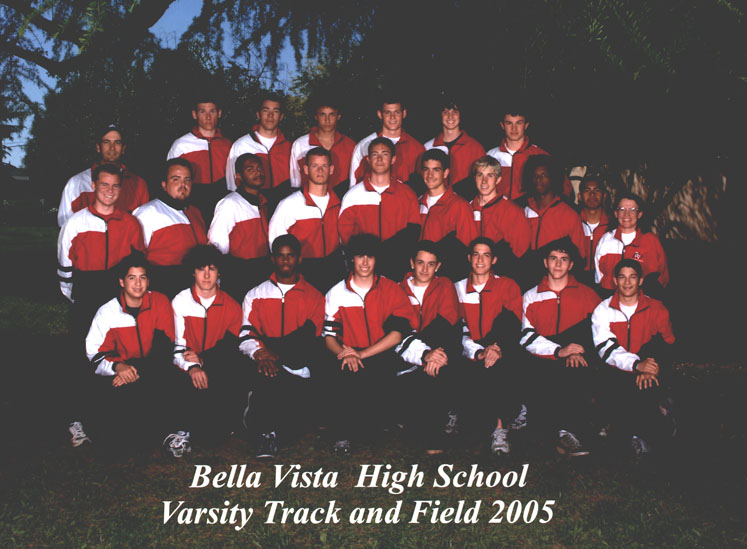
column 638, row 257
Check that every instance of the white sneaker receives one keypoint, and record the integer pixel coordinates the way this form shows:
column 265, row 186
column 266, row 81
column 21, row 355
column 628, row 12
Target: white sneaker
column 177, row 444
column 520, row 421
column 570, row 445
column 245, row 416
column 640, row 446
column 499, row 442
column 79, row 436
column 452, row 425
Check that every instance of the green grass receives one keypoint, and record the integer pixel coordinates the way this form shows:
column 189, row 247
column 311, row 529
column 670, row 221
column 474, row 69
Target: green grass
column 15, row 239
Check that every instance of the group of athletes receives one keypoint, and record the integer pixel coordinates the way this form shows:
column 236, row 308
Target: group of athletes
column 280, row 285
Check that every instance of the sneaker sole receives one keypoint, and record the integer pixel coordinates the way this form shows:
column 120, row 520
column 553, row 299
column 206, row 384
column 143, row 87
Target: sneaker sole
column 576, row 453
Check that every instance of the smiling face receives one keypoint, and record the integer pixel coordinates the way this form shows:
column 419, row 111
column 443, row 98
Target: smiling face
column 628, row 283
column 364, row 265
column 106, row 190
column 434, row 177
column 391, row 115
column 486, row 181
column 178, row 184
column 111, row 147
column 424, row 267
column 450, row 119
column 482, row 259
column 628, row 214
column 134, row 285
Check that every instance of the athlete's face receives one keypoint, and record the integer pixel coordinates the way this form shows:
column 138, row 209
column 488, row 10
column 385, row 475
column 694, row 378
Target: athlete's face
column 424, row 267
column 486, row 181
column 318, row 169
column 434, row 176
column 541, row 179
column 363, row 265
column 392, row 115
column 327, row 118
column 106, row 189
column 269, row 115
column 628, row 282
column 252, row 175
column 178, row 184
column 134, row 284
column 381, row 159
column 482, row 259
column 207, row 115
column 627, row 214
column 111, row 148
column 206, row 278
column 514, row 127
column 592, row 195
column 285, row 261
column 558, row 265
column 450, row 119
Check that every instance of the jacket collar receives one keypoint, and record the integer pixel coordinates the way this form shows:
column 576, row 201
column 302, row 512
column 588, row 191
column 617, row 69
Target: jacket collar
column 217, row 302
column 488, row 285
column 197, row 133
column 280, row 136
column 543, row 286
column 333, row 200
column 643, row 302
column 524, row 146
column 144, row 306
column 369, row 187
column 314, row 140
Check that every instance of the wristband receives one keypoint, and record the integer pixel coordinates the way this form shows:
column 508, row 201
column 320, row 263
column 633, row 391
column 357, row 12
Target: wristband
column 556, row 354
column 635, row 366
column 422, row 357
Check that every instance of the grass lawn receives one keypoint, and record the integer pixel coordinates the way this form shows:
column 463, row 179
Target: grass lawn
column 692, row 495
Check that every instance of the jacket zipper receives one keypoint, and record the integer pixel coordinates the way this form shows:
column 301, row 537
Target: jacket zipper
column 106, row 253
column 210, row 157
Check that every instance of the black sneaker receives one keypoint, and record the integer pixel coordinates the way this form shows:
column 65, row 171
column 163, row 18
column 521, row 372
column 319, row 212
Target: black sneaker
column 267, row 447
column 569, row 445
column 341, row 447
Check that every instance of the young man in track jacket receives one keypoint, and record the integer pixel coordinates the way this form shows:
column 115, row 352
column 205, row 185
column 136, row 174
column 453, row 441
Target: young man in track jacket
column 634, row 338
column 324, row 135
column 383, row 206
column 490, row 307
column 592, row 199
column 207, row 325
column 207, row 150
column 366, row 318
column 392, row 113
column 446, row 217
column 310, row 214
column 171, row 226
column 240, row 229
column 556, row 331
column 283, row 319
column 77, row 193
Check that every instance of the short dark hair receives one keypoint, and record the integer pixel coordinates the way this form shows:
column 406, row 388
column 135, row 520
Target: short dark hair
column 391, row 99
column 286, row 240
column 201, row 256
column 135, row 259
column 326, row 101
column 554, row 171
column 382, row 141
column 319, row 151
column 437, row 155
column 632, row 263
column 364, row 244
column 183, row 162
column 206, row 96
column 564, row 245
column 239, row 164
column 271, row 96
column 425, row 246
column 515, row 110
column 629, row 196
column 588, row 179
column 482, row 240
column 111, row 169
column 448, row 102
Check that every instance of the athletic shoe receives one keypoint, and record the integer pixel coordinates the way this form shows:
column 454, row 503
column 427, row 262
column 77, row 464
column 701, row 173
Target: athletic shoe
column 79, row 436
column 520, row 421
column 640, row 447
column 569, row 445
column 341, row 447
column 604, row 431
column 499, row 442
column 667, row 410
column 452, row 425
column 245, row 416
column 267, row 447
column 177, row 444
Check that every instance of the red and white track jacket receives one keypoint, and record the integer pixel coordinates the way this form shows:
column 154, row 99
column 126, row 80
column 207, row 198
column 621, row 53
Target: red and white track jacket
column 276, row 161
column 593, row 236
column 450, row 214
column 618, row 338
column 555, row 221
column 78, row 193
column 267, row 312
column 407, row 152
column 240, row 227
column 548, row 313
column 360, row 322
column 341, row 151
column 90, row 241
column 440, row 298
column 512, row 166
column 464, row 151
column 169, row 233
column 363, row 210
column 299, row 215
column 199, row 329
column 501, row 219
column 480, row 309
column 207, row 155
column 117, row 336
column 645, row 249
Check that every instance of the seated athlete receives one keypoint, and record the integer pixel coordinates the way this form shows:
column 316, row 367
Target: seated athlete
column 556, row 331
column 627, row 240
column 632, row 334
column 490, row 306
column 367, row 316
column 207, row 325
column 282, row 322
column 131, row 401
